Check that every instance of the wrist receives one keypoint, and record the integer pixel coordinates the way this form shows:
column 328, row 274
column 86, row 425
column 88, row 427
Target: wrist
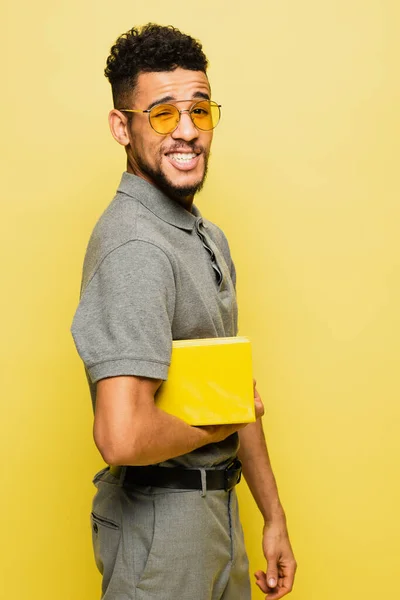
column 208, row 434
column 275, row 516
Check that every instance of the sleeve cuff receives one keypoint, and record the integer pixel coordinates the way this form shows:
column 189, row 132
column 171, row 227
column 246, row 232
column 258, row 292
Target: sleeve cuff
column 140, row 368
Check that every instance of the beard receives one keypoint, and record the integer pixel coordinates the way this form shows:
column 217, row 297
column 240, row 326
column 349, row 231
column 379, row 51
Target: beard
column 166, row 185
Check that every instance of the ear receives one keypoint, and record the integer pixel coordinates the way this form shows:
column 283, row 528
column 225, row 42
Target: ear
column 119, row 126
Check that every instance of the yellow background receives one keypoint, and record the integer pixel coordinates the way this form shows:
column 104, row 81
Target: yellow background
column 304, row 180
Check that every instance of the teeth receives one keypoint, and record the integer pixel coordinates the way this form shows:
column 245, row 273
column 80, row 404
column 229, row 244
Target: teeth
column 182, row 157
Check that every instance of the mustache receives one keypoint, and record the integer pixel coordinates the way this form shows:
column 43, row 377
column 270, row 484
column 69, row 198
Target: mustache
column 187, row 146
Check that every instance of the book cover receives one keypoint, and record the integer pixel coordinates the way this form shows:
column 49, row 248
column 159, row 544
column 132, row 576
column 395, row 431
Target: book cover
column 210, row 381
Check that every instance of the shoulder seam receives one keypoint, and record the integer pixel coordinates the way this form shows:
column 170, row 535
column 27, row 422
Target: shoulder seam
column 127, row 357
column 119, row 246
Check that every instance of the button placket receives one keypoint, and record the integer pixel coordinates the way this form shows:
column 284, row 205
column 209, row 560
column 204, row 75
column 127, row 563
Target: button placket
column 224, row 282
column 205, row 243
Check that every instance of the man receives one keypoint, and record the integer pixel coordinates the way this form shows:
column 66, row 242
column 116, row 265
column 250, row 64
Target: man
column 165, row 522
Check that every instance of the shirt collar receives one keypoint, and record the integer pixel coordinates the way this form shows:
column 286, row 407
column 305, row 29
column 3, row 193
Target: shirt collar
column 157, row 202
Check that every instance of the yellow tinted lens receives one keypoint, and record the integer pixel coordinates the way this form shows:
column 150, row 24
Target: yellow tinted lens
column 205, row 115
column 164, row 118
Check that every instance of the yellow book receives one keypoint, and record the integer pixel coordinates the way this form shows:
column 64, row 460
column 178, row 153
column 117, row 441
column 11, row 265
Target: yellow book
column 210, row 381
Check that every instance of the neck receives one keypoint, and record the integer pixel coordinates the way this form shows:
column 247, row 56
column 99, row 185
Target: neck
column 186, row 201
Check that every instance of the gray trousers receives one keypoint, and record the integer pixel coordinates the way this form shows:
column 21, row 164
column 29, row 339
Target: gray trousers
column 157, row 543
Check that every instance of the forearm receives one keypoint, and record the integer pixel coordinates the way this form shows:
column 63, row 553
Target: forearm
column 129, row 428
column 159, row 436
column 258, row 473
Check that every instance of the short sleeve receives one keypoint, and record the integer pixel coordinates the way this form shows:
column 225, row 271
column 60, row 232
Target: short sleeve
column 123, row 323
column 233, row 273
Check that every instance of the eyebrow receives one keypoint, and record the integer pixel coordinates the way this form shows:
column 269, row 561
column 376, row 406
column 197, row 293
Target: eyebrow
column 164, row 99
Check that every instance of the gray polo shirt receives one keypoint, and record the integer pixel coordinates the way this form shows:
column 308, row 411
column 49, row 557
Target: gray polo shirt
column 153, row 273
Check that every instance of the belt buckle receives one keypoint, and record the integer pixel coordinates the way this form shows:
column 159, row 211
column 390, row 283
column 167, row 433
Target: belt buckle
column 232, row 474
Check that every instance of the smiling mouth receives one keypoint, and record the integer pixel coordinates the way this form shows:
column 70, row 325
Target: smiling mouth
column 183, row 157
column 183, row 161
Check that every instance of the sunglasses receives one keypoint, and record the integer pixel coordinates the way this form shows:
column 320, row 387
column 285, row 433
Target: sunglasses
column 164, row 118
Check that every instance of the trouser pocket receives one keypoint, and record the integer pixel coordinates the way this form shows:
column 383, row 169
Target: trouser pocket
column 98, row 520
column 99, row 475
column 122, row 532
column 106, row 536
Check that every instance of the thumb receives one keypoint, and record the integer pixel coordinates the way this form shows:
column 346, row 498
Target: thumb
column 272, row 573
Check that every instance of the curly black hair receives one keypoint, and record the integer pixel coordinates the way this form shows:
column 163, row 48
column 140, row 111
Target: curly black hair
column 147, row 49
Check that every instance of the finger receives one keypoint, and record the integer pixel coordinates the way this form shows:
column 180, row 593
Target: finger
column 284, row 587
column 259, row 409
column 277, row 593
column 261, row 581
column 272, row 573
column 287, row 574
column 256, row 394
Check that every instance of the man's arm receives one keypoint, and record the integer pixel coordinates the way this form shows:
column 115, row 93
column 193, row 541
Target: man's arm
column 129, row 429
column 278, row 580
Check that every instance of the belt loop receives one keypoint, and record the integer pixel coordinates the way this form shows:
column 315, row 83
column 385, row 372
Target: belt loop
column 203, row 483
column 122, row 476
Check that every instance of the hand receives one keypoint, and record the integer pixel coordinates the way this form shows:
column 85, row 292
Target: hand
column 258, row 404
column 219, row 433
column 278, row 580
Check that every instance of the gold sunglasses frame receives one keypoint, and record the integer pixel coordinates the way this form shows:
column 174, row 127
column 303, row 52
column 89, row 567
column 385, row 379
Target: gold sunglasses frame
column 185, row 110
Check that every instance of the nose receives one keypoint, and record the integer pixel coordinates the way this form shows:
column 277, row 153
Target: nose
column 186, row 129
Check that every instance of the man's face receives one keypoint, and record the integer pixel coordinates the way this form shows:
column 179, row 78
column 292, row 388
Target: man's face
column 176, row 162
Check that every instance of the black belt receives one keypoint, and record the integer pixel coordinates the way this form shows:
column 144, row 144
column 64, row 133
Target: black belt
column 180, row 478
